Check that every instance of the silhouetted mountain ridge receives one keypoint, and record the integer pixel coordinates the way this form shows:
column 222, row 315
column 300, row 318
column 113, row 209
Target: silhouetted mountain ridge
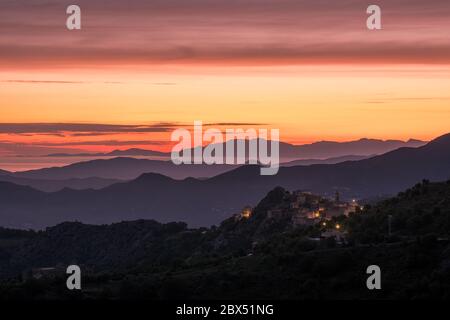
column 288, row 151
column 206, row 202
column 56, row 185
column 123, row 168
column 334, row 160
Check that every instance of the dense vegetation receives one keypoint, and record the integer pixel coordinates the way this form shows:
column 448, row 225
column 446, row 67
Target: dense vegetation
column 257, row 257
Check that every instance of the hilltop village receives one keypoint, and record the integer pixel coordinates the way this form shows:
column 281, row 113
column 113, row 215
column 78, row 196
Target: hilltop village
column 303, row 208
column 306, row 208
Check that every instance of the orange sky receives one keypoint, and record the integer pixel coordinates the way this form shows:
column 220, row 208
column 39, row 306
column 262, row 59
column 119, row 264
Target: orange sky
column 314, row 74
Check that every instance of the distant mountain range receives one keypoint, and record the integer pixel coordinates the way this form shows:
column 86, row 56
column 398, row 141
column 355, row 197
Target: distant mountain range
column 124, row 169
column 334, row 160
column 116, row 153
column 205, row 202
column 121, row 168
column 49, row 185
column 331, row 149
column 288, row 152
column 100, row 173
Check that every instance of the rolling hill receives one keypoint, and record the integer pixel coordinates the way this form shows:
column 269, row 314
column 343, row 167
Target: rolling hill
column 259, row 257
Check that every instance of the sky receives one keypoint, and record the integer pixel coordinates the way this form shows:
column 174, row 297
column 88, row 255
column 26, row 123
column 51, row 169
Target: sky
column 139, row 69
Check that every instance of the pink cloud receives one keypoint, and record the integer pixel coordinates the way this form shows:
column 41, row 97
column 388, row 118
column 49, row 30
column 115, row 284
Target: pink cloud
column 225, row 32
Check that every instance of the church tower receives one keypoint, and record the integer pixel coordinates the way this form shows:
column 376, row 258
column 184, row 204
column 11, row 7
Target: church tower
column 337, row 197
